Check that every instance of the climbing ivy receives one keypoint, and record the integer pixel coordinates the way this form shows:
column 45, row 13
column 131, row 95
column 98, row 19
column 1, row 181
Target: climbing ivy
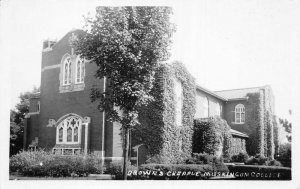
column 167, row 142
column 262, row 133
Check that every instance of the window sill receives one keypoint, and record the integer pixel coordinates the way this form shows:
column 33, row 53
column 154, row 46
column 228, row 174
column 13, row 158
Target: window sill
column 67, row 149
column 238, row 123
column 71, row 88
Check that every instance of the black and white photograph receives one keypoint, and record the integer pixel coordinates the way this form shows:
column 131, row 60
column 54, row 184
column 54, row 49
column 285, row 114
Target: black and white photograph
column 197, row 93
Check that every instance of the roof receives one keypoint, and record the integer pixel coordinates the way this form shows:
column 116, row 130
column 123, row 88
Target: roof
column 237, row 133
column 237, row 93
column 210, row 92
column 35, row 95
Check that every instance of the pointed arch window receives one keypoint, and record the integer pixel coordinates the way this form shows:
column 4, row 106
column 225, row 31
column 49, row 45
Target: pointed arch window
column 67, row 72
column 68, row 131
column 239, row 114
column 80, row 70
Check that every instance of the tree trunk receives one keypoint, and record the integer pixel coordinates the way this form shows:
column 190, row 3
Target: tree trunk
column 125, row 153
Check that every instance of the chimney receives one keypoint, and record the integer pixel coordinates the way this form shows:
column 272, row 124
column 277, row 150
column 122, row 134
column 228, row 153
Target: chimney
column 48, row 44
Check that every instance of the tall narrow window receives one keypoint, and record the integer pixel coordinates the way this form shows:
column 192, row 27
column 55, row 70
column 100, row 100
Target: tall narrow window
column 70, row 73
column 80, row 69
column 239, row 113
column 69, row 134
column 67, row 75
column 218, row 109
column 206, row 107
column 60, row 134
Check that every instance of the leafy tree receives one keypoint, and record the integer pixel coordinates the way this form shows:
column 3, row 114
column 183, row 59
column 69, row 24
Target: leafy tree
column 17, row 121
column 285, row 154
column 287, row 127
column 127, row 44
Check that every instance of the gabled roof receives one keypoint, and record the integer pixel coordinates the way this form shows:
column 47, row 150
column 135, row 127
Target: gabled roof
column 35, row 95
column 210, row 92
column 237, row 93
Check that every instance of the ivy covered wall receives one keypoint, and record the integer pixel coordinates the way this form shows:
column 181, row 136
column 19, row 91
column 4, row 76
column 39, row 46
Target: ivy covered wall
column 238, row 145
column 167, row 141
column 261, row 119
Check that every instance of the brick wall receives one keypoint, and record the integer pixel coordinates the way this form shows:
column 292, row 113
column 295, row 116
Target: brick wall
column 215, row 107
column 55, row 104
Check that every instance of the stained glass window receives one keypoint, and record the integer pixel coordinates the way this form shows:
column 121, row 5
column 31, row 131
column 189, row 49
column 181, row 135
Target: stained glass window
column 68, row 131
column 80, row 69
column 76, row 134
column 78, row 72
column 67, row 71
column 60, row 134
column 69, row 134
column 70, row 72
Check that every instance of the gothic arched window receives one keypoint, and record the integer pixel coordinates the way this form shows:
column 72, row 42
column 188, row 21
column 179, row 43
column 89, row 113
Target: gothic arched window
column 239, row 113
column 67, row 73
column 68, row 131
column 80, row 69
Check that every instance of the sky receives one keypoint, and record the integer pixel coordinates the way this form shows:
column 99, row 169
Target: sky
column 224, row 44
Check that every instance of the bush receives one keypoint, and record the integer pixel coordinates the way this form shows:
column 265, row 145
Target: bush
column 285, row 153
column 211, row 135
column 273, row 163
column 258, row 172
column 116, row 168
column 241, row 157
column 203, row 159
column 41, row 163
column 256, row 160
column 261, row 160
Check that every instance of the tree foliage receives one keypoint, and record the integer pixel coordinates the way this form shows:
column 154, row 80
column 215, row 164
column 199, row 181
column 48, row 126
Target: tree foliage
column 127, row 44
column 287, row 127
column 17, row 121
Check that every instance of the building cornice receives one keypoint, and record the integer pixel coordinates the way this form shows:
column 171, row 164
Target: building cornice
column 210, row 92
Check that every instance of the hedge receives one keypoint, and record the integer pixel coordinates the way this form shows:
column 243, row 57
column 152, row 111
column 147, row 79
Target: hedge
column 206, row 159
column 46, row 164
column 242, row 157
column 116, row 169
column 211, row 134
column 158, row 129
column 257, row 172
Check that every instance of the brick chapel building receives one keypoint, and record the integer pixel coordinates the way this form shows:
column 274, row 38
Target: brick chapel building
column 62, row 118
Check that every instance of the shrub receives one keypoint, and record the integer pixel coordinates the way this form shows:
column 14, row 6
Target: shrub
column 285, row 153
column 116, row 168
column 256, row 160
column 203, row 159
column 241, row 157
column 273, row 163
column 211, row 134
column 261, row 160
column 41, row 163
